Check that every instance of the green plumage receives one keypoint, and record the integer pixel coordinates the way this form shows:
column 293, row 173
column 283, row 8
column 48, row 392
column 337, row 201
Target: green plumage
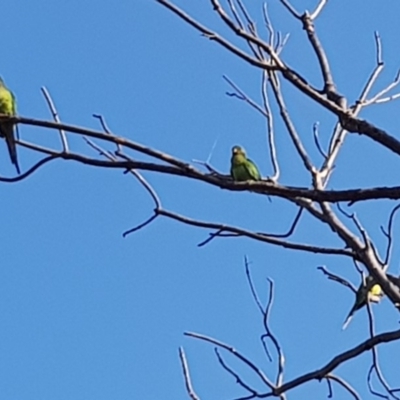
column 243, row 169
column 8, row 107
column 368, row 291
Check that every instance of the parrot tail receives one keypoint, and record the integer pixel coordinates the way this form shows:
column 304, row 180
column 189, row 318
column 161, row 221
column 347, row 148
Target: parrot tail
column 349, row 317
column 7, row 130
column 347, row 321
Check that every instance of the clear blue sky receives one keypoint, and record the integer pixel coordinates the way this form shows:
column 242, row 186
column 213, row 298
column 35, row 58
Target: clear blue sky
column 86, row 314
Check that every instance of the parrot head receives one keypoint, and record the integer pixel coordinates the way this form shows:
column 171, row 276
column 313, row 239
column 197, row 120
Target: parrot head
column 237, row 150
column 238, row 155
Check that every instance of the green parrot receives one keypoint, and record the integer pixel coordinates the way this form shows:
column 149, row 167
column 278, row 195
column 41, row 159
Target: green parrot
column 368, row 291
column 243, row 169
column 8, row 107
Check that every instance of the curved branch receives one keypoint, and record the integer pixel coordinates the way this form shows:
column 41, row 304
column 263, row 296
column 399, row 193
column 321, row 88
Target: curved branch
column 271, row 336
column 336, row 361
column 239, row 380
column 344, row 384
column 318, row 9
column 316, row 141
column 274, row 80
column 56, row 117
column 388, row 233
column 256, row 236
column 270, row 128
column 30, row 170
column 234, row 352
column 337, row 278
column 186, row 375
column 308, row 26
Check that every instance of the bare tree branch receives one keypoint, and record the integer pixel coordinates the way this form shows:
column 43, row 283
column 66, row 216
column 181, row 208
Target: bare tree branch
column 291, row 9
column 186, row 375
column 318, row 9
column 337, row 278
column 235, row 353
column 388, row 233
column 239, row 380
column 344, row 384
column 270, row 129
column 336, row 361
column 56, row 118
column 316, row 141
column 289, row 125
column 269, row 335
column 254, row 235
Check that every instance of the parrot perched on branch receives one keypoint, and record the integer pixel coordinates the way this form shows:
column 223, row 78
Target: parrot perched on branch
column 8, row 107
column 243, row 169
column 367, row 291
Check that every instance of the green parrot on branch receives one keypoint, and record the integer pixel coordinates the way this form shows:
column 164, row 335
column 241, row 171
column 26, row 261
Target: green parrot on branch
column 243, row 169
column 8, row 107
column 367, row 291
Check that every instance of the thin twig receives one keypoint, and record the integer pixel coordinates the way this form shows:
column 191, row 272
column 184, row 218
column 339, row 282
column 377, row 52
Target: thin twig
column 272, row 337
column 241, row 95
column 356, row 222
column 344, row 384
column 288, row 123
column 375, row 73
column 186, row 375
column 251, row 285
column 31, row 170
column 242, row 27
column 316, row 141
column 139, row 177
column 318, row 9
column 329, row 86
column 291, row 9
column 377, row 99
column 104, row 125
column 388, row 233
column 337, row 278
column 237, row 377
column 56, row 118
column 235, row 353
column 270, row 128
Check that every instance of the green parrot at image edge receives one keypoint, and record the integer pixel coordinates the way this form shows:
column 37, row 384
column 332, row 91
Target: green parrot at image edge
column 8, row 107
column 368, row 291
column 243, row 169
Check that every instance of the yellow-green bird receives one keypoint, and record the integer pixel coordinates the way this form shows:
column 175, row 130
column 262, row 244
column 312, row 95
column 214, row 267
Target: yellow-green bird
column 8, row 107
column 367, row 291
column 243, row 169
